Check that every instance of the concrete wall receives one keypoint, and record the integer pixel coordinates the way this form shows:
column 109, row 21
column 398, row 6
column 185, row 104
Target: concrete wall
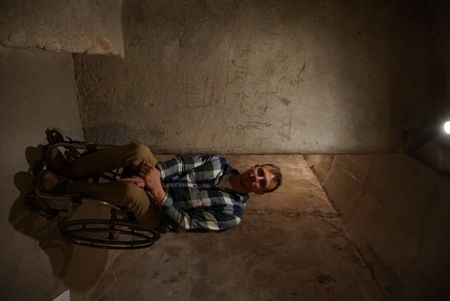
column 430, row 144
column 86, row 26
column 262, row 76
column 397, row 212
column 37, row 91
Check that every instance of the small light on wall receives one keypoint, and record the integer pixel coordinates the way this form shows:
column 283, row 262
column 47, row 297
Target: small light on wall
column 447, row 127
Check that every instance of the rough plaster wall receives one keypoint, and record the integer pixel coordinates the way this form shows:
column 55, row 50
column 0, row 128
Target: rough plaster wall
column 397, row 212
column 37, row 91
column 91, row 26
column 249, row 76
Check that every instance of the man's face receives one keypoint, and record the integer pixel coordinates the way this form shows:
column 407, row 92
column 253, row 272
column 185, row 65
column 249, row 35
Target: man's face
column 258, row 179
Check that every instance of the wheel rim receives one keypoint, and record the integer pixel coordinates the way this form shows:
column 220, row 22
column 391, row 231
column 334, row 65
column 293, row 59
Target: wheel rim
column 106, row 234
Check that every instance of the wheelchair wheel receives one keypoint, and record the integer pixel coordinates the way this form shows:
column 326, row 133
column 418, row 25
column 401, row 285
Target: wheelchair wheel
column 102, row 233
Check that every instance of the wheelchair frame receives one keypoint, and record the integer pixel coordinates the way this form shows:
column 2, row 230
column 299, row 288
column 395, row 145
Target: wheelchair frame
column 120, row 231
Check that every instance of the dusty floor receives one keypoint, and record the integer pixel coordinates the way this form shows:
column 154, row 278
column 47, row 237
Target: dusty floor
column 291, row 244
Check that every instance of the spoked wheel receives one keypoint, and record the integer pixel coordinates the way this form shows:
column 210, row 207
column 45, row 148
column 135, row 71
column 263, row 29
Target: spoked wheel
column 101, row 233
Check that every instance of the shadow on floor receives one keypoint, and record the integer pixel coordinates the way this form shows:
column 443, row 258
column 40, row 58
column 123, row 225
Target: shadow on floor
column 78, row 267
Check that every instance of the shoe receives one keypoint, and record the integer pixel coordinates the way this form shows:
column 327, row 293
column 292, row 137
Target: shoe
column 52, row 183
column 58, row 163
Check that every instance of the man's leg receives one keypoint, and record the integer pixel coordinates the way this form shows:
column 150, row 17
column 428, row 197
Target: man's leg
column 120, row 193
column 107, row 159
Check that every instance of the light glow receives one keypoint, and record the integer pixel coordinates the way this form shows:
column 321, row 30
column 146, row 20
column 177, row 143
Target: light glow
column 447, row 127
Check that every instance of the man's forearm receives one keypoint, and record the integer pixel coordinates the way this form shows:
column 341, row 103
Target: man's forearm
column 158, row 194
column 152, row 179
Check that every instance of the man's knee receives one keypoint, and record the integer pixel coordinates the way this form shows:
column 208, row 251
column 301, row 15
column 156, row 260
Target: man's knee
column 142, row 150
column 140, row 153
column 135, row 198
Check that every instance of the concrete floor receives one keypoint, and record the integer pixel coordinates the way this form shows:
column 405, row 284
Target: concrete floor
column 291, row 244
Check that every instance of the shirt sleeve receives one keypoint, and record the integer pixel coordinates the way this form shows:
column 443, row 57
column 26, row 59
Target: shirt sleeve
column 181, row 164
column 197, row 219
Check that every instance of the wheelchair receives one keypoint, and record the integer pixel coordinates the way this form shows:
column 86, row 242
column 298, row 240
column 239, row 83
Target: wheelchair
column 120, row 230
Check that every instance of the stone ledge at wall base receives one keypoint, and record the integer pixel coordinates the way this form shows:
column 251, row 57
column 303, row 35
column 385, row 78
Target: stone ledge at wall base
column 435, row 155
column 430, row 145
column 396, row 211
column 82, row 26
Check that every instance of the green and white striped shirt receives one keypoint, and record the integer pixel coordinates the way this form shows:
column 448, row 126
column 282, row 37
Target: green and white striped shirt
column 194, row 201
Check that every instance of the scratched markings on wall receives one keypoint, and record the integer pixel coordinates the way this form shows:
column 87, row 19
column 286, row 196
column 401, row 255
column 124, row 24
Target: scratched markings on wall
column 205, row 88
column 256, row 77
column 274, row 78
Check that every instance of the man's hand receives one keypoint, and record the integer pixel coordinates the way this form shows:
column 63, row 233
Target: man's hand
column 135, row 180
column 152, row 180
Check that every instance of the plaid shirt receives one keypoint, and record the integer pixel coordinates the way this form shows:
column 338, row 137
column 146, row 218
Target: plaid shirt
column 193, row 200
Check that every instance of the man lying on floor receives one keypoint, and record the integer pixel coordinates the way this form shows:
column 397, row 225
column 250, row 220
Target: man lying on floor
column 192, row 193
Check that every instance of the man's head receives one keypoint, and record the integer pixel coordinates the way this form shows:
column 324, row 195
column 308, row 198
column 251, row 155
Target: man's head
column 261, row 178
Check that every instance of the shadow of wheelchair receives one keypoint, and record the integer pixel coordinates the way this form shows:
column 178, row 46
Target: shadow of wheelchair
column 78, row 267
